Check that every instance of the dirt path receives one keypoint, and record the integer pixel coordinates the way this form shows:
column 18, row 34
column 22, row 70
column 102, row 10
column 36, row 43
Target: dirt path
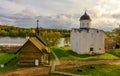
column 55, row 62
column 71, row 64
column 66, row 74
column 37, row 71
column 33, row 71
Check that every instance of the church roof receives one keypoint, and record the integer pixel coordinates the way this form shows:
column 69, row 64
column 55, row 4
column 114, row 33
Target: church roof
column 85, row 17
column 38, row 43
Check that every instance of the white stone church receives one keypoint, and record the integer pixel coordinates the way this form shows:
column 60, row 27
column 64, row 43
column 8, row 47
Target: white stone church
column 86, row 40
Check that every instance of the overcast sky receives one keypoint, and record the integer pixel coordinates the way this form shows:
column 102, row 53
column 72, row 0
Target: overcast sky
column 105, row 14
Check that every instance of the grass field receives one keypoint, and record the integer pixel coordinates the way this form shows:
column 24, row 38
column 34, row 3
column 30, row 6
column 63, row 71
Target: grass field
column 4, row 58
column 96, row 70
column 115, row 52
column 65, row 53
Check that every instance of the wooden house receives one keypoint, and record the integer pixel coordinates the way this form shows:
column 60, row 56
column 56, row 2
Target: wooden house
column 34, row 53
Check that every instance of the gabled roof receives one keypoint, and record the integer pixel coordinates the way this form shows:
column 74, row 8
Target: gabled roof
column 41, row 40
column 38, row 43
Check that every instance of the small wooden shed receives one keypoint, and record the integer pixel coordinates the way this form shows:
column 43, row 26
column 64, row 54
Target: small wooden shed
column 34, row 53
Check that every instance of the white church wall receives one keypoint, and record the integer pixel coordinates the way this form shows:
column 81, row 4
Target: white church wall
column 101, row 42
column 96, row 44
column 82, row 41
column 73, row 40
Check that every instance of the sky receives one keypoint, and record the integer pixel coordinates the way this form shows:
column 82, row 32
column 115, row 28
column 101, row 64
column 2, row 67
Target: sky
column 60, row 14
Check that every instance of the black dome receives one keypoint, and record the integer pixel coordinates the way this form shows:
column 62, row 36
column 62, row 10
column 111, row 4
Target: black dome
column 85, row 17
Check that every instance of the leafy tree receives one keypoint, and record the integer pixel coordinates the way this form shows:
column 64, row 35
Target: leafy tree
column 67, row 40
column 3, row 33
column 13, row 33
column 51, row 38
column 117, row 36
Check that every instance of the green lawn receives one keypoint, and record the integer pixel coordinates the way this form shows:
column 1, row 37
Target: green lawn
column 65, row 53
column 96, row 70
column 5, row 57
column 114, row 52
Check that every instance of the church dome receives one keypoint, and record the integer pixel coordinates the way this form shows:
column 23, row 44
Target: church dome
column 85, row 17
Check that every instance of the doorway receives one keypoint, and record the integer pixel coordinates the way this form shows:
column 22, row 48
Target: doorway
column 91, row 49
column 36, row 62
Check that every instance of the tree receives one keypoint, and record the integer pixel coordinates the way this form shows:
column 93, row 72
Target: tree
column 13, row 33
column 3, row 33
column 51, row 38
column 117, row 35
column 67, row 40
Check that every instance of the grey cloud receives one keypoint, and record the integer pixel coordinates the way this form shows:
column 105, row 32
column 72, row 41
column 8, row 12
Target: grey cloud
column 117, row 16
column 17, row 1
column 56, row 22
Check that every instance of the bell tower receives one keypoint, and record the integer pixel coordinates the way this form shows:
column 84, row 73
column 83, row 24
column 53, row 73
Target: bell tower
column 85, row 21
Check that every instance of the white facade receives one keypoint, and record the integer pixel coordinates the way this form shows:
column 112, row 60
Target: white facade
column 85, row 39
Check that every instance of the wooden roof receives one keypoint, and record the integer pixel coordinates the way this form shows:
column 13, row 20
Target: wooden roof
column 38, row 44
column 41, row 40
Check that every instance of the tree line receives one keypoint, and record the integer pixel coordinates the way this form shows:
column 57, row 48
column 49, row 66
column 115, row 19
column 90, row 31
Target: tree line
column 12, row 31
column 50, row 36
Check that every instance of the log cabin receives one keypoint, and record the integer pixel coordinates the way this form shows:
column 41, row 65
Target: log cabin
column 34, row 53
